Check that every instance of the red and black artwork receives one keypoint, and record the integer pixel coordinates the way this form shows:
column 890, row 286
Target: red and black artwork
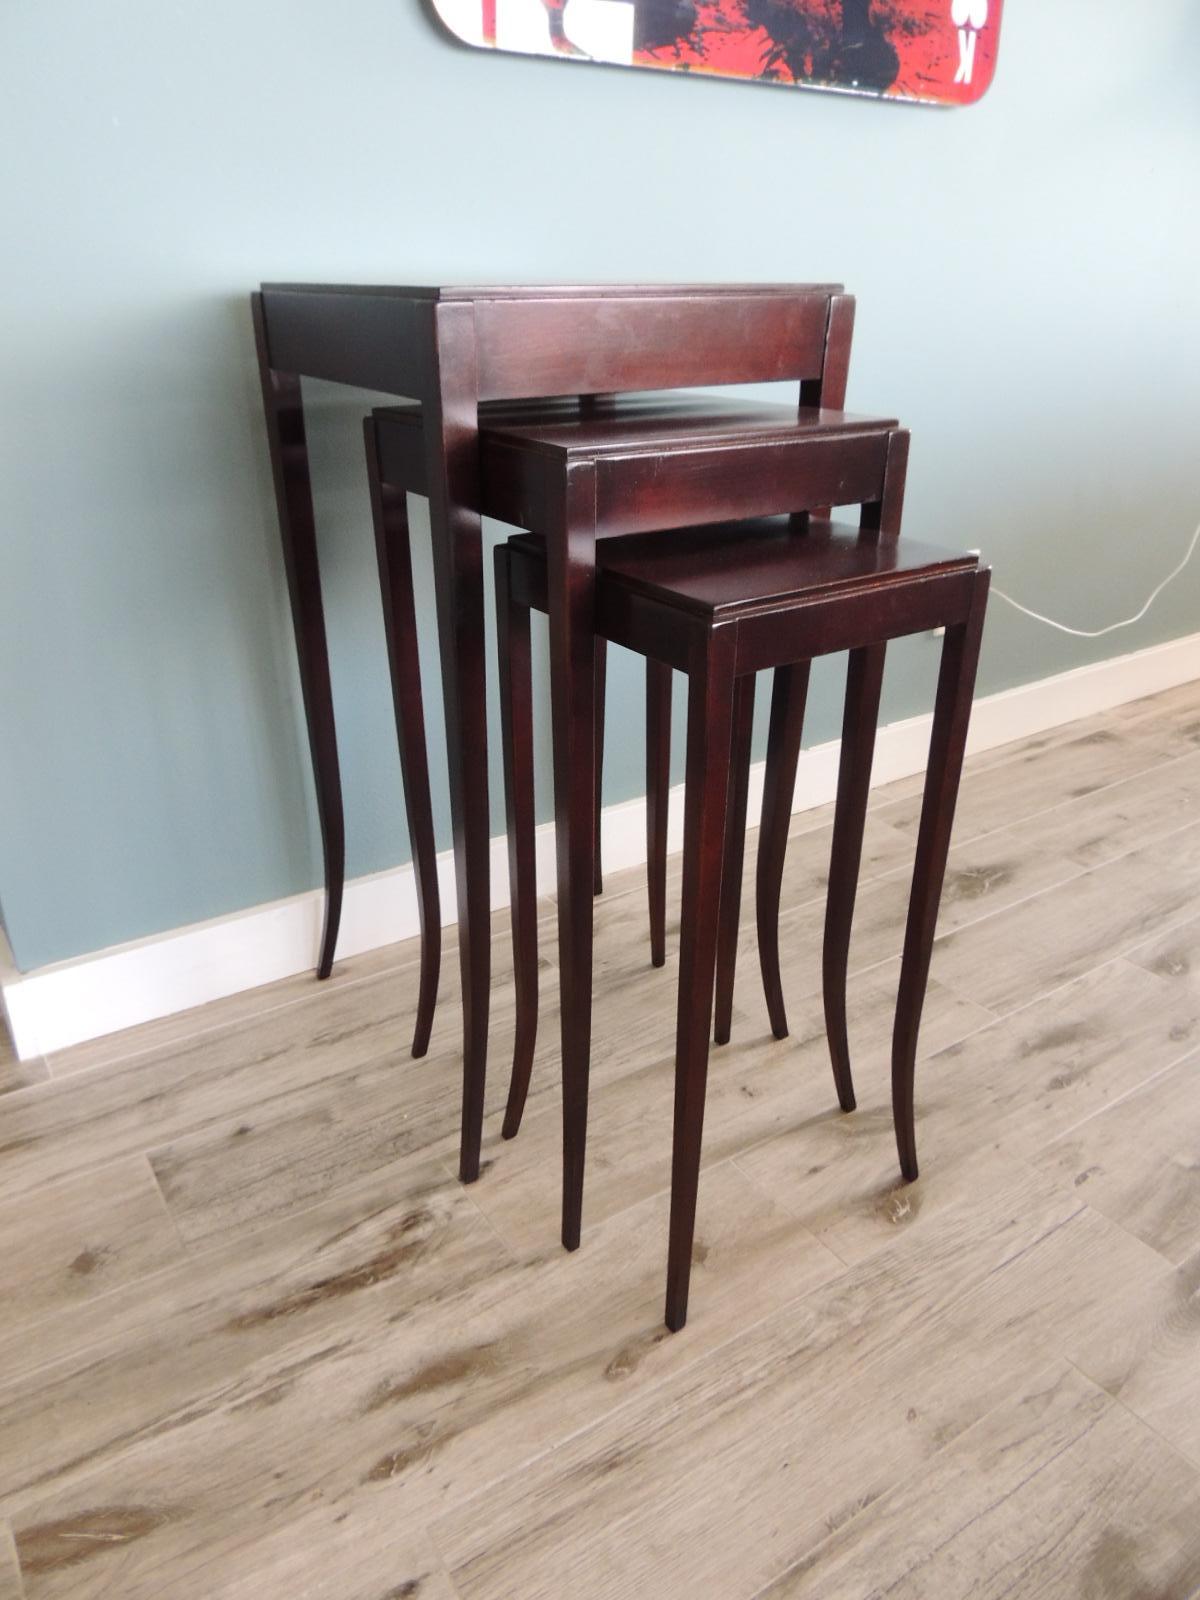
column 940, row 51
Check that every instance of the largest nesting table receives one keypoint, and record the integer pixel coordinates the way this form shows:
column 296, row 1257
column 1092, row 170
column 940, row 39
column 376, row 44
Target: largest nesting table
column 450, row 350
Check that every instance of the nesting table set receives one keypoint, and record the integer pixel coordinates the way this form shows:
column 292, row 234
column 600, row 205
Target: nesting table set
column 694, row 531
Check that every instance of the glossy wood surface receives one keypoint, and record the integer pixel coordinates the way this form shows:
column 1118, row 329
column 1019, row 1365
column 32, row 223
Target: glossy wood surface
column 789, row 695
column 598, row 694
column 664, row 463
column 287, row 446
column 735, row 848
column 389, row 513
column 547, row 291
column 658, row 785
column 951, row 716
column 552, row 341
column 648, row 424
column 711, row 700
column 452, row 484
column 516, row 731
column 568, row 426
column 740, row 568
column 860, row 717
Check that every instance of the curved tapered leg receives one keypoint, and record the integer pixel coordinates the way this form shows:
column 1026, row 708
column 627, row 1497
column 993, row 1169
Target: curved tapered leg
column 390, row 515
column 864, row 679
column 601, row 671
column 516, row 721
column 710, row 705
column 570, row 603
column 286, row 440
column 658, row 788
column 788, row 696
column 450, row 425
column 735, row 852
column 951, row 716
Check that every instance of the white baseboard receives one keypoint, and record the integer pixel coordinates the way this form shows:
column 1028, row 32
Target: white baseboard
column 65, row 1004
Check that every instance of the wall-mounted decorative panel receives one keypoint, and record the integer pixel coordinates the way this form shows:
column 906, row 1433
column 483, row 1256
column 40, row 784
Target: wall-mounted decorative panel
column 941, row 51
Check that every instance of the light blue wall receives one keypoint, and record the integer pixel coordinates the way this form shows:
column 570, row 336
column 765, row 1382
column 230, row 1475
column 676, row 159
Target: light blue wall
column 1029, row 302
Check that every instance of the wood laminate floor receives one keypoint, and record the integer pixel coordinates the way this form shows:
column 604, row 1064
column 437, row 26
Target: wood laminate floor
column 257, row 1342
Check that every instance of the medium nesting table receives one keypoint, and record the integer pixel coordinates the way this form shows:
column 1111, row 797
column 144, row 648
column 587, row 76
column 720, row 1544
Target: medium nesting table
column 451, row 349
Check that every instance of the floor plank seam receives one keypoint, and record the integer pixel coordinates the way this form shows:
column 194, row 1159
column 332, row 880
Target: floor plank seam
column 1045, row 994
column 853, row 971
column 1016, row 1163
column 810, row 1557
column 184, row 1040
column 1117, row 1226
column 9, row 1062
column 509, row 1248
column 218, row 1238
column 1126, row 1094
column 613, row 1530
column 956, row 993
column 951, row 1044
column 1191, row 1462
column 1153, row 938
column 1145, row 843
column 153, row 1151
column 10, row 1557
column 782, row 1313
column 443, row 1565
column 782, row 1201
column 30, row 1328
column 195, row 1254
column 704, row 1354
column 184, row 1248
column 987, row 916
column 1059, row 805
column 1038, row 999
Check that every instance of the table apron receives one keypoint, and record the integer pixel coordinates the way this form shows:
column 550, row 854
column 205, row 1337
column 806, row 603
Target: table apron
column 372, row 341
column 841, row 621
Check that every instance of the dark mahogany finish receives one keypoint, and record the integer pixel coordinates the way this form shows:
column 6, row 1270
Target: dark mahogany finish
column 720, row 604
column 658, row 788
column 788, row 698
column 516, row 724
column 389, row 513
column 449, row 350
column 735, row 849
column 288, row 447
column 395, row 467
column 581, row 478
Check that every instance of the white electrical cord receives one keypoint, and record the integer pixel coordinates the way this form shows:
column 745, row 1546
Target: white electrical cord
column 1098, row 633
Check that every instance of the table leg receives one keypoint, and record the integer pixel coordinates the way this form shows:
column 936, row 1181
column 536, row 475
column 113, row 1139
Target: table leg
column 864, row 681
column 284, row 414
column 389, row 511
column 951, row 716
column 516, row 728
column 570, row 584
column 451, row 426
column 735, row 854
column 789, row 695
column 658, row 788
column 710, row 707
column 601, row 672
